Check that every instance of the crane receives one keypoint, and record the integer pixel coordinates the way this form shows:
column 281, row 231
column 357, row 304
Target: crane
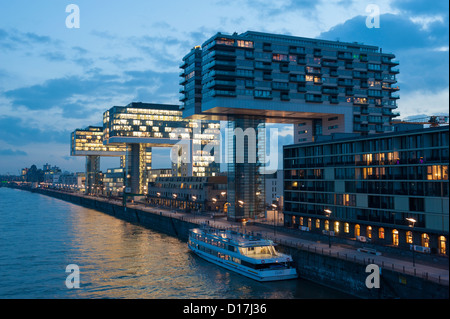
column 433, row 120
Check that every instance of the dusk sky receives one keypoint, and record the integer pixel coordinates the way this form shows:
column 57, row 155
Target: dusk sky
column 54, row 80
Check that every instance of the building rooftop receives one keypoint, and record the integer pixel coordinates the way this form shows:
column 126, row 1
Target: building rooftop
column 296, row 40
column 338, row 138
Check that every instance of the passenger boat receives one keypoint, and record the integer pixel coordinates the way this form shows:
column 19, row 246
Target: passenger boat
column 251, row 256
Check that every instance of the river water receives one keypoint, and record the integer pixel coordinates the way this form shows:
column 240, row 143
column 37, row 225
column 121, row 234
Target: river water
column 40, row 236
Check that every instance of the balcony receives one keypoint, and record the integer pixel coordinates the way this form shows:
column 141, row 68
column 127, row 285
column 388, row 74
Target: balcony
column 391, row 88
column 223, row 93
column 331, row 64
column 221, row 84
column 317, row 53
column 219, row 64
column 345, row 56
column 267, row 47
column 297, row 50
column 389, row 61
column 297, row 78
column 313, row 98
column 345, row 82
column 263, row 66
column 394, row 70
column 326, row 90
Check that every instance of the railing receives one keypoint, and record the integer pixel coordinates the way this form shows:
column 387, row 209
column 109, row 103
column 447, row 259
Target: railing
column 364, row 261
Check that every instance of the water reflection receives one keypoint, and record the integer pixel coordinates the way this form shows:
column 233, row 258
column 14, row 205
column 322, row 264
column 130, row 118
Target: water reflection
column 40, row 236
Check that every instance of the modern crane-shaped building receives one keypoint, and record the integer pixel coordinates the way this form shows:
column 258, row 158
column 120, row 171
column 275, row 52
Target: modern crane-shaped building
column 88, row 142
column 321, row 87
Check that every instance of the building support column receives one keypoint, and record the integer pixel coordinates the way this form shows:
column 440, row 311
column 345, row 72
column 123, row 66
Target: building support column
column 92, row 174
column 245, row 155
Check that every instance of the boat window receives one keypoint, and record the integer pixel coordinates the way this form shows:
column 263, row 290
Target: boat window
column 258, row 251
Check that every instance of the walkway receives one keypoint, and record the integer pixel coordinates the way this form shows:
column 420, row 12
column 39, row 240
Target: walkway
column 428, row 267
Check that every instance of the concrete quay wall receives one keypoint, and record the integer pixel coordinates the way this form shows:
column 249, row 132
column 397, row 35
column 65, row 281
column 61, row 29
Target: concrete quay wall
column 348, row 276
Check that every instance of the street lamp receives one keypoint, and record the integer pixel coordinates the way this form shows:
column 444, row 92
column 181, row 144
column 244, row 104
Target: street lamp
column 412, row 221
column 274, row 219
column 328, row 212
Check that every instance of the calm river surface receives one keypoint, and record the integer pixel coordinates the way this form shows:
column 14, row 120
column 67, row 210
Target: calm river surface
column 40, row 236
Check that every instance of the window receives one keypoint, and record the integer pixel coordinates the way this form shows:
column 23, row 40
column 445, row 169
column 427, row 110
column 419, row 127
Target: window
column 245, row 44
column 442, row 242
column 416, row 204
column 409, row 237
column 336, row 227
column 317, row 223
column 381, row 233
column 369, row 231
column 280, row 57
column 425, row 240
column 357, row 230
column 395, row 237
column 263, row 94
column 346, row 228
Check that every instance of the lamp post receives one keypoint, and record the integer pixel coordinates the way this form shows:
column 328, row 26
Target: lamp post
column 412, row 221
column 194, row 198
column 275, row 220
column 328, row 213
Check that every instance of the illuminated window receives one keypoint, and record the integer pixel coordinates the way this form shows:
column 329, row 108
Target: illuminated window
column 336, row 227
column 381, row 233
column 395, row 237
column 317, row 223
column 409, row 237
column 442, row 242
column 357, row 230
column 346, row 228
column 425, row 240
column 369, row 231
column 245, row 44
column 327, row 225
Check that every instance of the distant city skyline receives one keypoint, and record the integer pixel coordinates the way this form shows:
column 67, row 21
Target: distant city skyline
column 54, row 80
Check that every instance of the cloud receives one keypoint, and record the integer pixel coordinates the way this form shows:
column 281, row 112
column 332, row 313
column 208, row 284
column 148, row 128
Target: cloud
column 16, row 131
column 15, row 40
column 396, row 32
column 10, row 152
column 423, row 62
column 421, row 7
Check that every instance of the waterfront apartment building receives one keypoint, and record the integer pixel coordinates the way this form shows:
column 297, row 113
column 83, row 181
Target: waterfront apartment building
column 325, row 86
column 194, row 194
column 391, row 189
column 88, row 142
column 321, row 87
column 142, row 126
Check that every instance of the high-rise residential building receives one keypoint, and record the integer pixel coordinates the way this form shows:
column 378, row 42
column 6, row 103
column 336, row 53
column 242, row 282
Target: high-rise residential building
column 391, row 189
column 142, row 126
column 321, row 87
column 88, row 142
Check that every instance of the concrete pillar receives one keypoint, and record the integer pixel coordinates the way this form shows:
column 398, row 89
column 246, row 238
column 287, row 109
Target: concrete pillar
column 92, row 174
column 245, row 154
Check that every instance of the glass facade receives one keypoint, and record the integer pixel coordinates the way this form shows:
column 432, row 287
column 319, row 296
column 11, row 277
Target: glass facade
column 246, row 160
column 89, row 141
column 142, row 126
column 378, row 181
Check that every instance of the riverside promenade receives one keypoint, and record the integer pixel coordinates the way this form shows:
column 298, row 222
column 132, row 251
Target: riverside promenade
column 428, row 267
column 341, row 259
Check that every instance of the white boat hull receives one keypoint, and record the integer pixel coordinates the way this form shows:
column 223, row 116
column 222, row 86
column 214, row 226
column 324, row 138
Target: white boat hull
column 265, row 275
